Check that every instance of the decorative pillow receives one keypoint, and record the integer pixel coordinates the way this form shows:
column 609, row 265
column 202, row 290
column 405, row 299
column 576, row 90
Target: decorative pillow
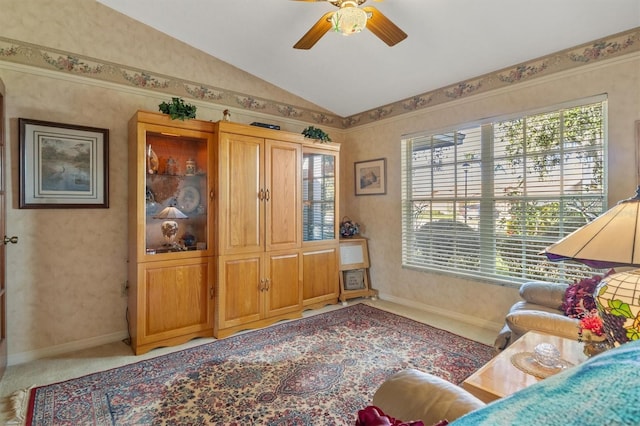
column 374, row 416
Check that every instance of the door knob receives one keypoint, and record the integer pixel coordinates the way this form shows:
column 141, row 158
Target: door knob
column 12, row 240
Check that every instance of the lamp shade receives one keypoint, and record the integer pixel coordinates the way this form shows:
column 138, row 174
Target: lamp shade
column 610, row 240
column 349, row 19
column 618, row 298
column 171, row 212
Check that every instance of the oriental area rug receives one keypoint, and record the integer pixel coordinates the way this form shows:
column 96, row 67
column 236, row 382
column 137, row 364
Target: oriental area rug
column 318, row 370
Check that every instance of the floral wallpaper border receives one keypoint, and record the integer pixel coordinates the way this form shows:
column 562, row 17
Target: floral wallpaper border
column 57, row 60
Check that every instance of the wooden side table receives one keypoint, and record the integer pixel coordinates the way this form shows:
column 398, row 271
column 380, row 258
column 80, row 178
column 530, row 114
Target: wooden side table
column 499, row 377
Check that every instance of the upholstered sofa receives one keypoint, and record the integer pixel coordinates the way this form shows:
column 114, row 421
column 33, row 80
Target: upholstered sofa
column 603, row 390
column 539, row 310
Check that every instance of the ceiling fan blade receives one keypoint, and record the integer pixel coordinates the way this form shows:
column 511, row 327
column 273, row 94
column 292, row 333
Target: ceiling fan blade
column 316, row 32
column 382, row 27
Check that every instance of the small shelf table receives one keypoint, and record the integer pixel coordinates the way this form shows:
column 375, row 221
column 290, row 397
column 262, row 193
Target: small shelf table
column 354, row 269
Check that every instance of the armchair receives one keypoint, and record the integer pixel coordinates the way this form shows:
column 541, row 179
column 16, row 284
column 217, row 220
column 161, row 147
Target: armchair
column 412, row 394
column 540, row 310
column 603, row 390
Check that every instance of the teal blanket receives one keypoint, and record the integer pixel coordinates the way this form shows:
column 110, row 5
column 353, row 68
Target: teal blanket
column 605, row 390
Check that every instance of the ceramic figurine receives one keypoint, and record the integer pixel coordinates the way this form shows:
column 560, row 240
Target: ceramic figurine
column 152, row 161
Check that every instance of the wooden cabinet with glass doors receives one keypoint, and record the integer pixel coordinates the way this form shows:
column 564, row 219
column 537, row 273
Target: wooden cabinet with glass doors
column 172, row 165
column 320, row 164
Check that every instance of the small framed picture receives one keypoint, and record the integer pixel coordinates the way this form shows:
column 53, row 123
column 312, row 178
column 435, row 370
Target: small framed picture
column 354, row 254
column 63, row 166
column 371, row 177
column 354, row 279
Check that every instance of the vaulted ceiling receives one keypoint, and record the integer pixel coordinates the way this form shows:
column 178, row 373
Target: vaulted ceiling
column 448, row 41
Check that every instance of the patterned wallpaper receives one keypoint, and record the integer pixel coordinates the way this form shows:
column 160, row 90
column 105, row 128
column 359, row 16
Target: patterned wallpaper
column 67, row 62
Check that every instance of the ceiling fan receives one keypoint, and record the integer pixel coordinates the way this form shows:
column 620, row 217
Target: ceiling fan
column 351, row 19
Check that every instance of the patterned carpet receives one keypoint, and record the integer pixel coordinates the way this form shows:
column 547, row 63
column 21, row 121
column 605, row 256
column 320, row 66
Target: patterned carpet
column 318, row 370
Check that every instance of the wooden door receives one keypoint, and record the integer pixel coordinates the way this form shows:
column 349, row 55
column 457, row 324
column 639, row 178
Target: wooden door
column 284, row 285
column 320, row 276
column 241, row 194
column 240, row 290
column 177, row 302
column 3, row 288
column 283, row 182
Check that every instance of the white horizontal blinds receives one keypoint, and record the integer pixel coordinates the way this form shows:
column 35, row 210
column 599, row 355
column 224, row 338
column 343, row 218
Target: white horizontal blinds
column 442, row 190
column 318, row 194
column 486, row 201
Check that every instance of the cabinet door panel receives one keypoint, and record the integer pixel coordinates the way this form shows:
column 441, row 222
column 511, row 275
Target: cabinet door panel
column 285, row 285
column 159, row 150
column 283, row 176
column 320, row 279
column 241, row 179
column 177, row 300
column 240, row 298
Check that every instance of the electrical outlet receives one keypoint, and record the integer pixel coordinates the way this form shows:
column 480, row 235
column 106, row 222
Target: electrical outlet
column 124, row 289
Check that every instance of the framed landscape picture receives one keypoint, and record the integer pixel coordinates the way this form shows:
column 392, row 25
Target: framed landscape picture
column 371, row 177
column 63, row 165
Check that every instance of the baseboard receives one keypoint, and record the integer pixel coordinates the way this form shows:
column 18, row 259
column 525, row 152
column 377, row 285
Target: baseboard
column 22, row 357
column 457, row 316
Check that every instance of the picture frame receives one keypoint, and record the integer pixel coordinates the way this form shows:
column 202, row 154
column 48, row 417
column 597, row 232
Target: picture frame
column 371, row 177
column 63, row 166
column 354, row 254
column 354, row 279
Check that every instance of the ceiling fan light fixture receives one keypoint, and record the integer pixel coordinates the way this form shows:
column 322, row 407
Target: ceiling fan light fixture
column 349, row 20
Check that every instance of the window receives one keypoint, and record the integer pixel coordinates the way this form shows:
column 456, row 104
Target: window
column 483, row 201
column 318, row 195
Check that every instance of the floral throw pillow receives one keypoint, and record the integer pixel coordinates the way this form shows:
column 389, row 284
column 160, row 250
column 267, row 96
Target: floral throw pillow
column 578, row 298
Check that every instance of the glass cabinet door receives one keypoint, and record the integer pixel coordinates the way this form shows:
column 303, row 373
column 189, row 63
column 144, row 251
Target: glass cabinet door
column 176, row 193
column 318, row 196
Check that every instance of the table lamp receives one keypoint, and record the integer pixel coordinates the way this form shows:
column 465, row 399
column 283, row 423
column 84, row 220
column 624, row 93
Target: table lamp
column 610, row 240
column 169, row 226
